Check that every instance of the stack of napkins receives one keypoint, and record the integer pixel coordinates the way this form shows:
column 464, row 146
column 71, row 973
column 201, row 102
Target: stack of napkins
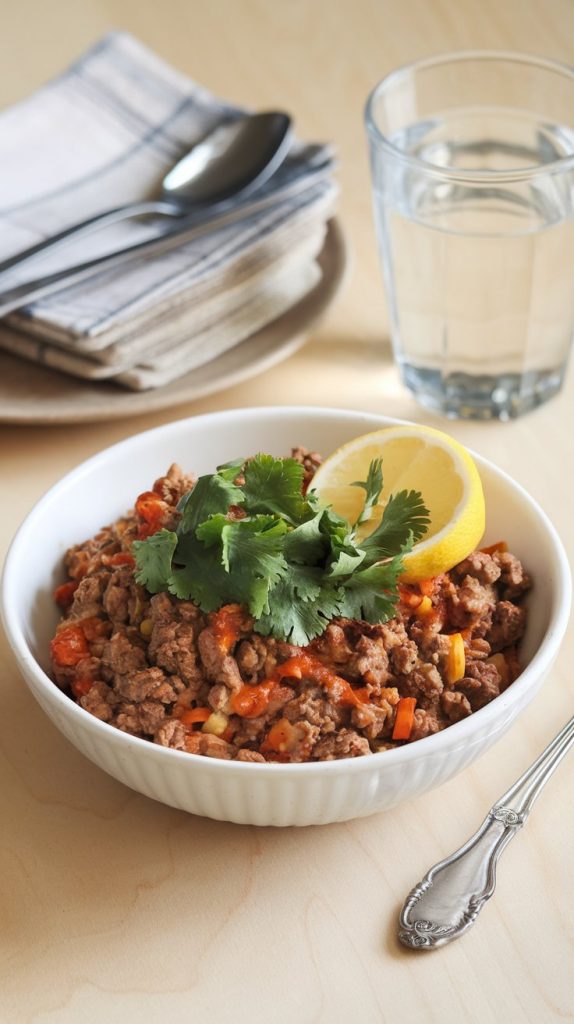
column 104, row 134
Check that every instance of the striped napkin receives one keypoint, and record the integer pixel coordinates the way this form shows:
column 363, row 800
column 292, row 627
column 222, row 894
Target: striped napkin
column 105, row 133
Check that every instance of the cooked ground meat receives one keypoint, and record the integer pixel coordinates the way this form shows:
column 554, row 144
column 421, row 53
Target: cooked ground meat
column 160, row 668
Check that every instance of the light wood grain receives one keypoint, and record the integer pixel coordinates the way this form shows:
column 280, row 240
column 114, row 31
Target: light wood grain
column 113, row 908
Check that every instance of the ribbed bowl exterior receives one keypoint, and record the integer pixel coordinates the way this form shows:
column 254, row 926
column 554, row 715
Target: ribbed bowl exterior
column 312, row 794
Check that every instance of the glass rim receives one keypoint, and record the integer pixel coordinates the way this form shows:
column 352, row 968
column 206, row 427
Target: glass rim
column 451, row 173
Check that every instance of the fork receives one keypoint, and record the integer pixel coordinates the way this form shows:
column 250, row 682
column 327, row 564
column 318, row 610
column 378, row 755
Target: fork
column 448, row 900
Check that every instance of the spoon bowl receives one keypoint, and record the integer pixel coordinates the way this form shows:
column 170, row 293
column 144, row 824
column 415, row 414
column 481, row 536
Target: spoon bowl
column 235, row 158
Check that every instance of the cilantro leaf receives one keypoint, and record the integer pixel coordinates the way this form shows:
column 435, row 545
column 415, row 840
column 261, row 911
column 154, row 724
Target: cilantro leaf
column 293, row 562
column 371, row 593
column 405, row 517
column 275, row 486
column 307, row 544
column 253, row 557
column 231, row 470
column 373, row 486
column 230, row 561
column 198, row 575
column 153, row 559
column 345, row 559
column 210, row 495
column 300, row 607
column 211, row 531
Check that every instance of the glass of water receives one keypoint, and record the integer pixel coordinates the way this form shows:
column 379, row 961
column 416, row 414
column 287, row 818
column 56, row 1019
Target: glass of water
column 472, row 158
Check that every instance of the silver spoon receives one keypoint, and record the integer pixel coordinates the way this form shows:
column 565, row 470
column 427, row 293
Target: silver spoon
column 232, row 160
column 189, row 227
column 446, row 903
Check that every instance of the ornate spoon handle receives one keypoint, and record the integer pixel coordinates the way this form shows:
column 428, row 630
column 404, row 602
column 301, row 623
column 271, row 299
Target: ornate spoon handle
column 451, row 895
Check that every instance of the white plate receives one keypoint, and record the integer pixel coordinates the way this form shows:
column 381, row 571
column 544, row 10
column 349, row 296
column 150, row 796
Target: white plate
column 36, row 394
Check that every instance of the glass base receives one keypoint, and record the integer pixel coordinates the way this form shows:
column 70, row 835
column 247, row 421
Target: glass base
column 465, row 396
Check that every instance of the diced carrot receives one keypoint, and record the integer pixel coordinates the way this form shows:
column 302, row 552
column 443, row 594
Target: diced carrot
column 405, row 718
column 500, row 545
column 64, row 594
column 191, row 716
column 455, row 660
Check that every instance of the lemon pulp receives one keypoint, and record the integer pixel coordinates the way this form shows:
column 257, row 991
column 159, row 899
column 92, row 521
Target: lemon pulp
column 414, row 458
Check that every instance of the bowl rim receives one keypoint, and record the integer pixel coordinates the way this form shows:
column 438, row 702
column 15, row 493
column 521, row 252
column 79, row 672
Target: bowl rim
column 453, row 736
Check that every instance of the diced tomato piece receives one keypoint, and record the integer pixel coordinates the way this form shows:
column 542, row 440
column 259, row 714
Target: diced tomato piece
column 151, row 509
column 64, row 594
column 94, row 628
column 281, row 737
column 362, row 694
column 253, row 701
column 80, row 687
column 229, row 732
column 120, row 558
column 69, row 646
column 226, row 626
column 427, row 587
column 409, row 597
column 191, row 716
column 305, row 666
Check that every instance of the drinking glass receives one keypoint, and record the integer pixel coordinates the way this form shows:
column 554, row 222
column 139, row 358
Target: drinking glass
column 472, row 158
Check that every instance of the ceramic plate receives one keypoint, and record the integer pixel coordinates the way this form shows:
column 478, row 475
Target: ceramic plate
column 36, row 394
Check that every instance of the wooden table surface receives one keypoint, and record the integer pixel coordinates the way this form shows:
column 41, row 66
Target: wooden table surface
column 114, row 908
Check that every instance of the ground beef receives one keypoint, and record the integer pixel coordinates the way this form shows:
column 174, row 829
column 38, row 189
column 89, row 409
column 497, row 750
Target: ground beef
column 310, row 462
column 514, row 581
column 161, row 669
column 173, row 632
column 507, row 626
column 345, row 743
column 425, row 724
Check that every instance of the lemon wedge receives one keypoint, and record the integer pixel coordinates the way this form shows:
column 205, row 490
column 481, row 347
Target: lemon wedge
column 414, row 458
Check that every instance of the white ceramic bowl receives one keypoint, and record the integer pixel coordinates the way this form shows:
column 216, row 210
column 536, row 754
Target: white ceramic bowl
column 102, row 488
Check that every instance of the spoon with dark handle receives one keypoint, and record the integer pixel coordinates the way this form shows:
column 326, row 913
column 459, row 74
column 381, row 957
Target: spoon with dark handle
column 232, row 160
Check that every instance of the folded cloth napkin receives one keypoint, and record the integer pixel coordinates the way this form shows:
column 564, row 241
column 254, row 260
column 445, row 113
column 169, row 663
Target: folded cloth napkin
column 105, row 133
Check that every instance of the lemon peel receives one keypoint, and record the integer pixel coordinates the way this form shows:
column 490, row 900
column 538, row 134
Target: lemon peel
column 419, row 458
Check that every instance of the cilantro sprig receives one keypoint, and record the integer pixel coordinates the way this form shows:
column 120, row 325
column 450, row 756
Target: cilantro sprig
column 293, row 562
